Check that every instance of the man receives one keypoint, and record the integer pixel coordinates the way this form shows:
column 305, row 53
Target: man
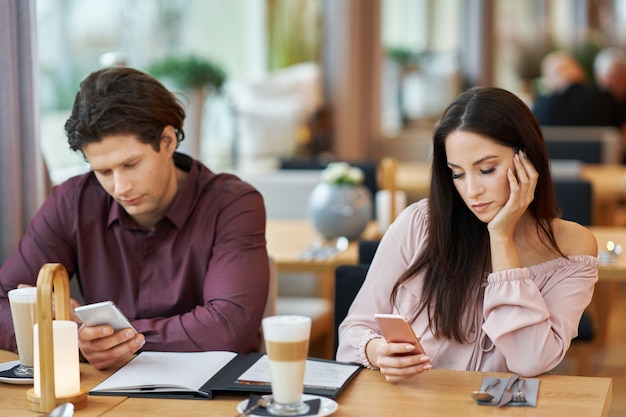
column 181, row 250
column 568, row 101
column 609, row 68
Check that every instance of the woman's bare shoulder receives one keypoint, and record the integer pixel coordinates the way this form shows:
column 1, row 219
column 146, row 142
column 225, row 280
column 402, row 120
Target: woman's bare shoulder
column 574, row 239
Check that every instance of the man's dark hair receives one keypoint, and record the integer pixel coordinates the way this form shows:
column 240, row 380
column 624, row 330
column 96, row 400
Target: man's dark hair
column 122, row 100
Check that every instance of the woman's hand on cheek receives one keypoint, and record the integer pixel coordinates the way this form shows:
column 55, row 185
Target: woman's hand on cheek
column 522, row 185
column 526, row 177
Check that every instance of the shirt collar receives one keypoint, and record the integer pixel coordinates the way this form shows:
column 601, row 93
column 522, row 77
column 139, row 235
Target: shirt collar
column 181, row 205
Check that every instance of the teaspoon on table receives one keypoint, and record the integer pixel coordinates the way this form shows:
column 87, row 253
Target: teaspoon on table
column 263, row 401
column 485, row 395
column 63, row 410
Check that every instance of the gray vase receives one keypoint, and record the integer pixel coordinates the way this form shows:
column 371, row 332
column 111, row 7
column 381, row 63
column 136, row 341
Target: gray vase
column 340, row 210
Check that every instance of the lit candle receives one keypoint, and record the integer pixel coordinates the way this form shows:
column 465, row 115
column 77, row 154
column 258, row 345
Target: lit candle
column 66, row 361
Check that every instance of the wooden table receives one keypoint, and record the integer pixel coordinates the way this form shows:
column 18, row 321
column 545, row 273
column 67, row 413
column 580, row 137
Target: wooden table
column 609, row 190
column 608, row 182
column 609, row 277
column 13, row 397
column 434, row 393
column 287, row 239
column 613, row 272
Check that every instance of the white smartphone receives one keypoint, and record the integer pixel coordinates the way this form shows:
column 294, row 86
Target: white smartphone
column 105, row 312
column 396, row 329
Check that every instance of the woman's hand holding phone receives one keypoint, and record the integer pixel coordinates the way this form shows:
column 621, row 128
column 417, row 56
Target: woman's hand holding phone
column 400, row 355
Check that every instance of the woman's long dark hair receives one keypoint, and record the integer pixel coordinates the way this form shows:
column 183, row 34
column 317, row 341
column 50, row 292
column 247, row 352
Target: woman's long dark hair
column 457, row 257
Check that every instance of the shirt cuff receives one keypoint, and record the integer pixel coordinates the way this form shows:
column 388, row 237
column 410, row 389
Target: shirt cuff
column 363, row 360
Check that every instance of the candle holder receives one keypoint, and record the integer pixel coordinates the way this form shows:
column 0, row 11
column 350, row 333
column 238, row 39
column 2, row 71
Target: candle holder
column 53, row 277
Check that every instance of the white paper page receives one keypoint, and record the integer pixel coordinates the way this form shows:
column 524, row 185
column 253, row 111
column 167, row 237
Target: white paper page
column 316, row 373
column 189, row 370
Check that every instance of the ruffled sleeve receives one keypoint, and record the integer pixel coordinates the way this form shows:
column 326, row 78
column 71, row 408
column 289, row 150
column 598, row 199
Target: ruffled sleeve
column 532, row 314
column 402, row 242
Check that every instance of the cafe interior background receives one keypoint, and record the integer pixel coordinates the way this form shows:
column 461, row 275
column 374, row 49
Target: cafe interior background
column 339, row 79
column 369, row 78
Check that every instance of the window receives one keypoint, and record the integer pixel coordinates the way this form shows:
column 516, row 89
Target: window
column 74, row 37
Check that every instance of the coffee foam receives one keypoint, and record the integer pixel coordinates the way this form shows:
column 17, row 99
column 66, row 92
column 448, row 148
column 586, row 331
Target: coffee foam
column 23, row 295
column 286, row 328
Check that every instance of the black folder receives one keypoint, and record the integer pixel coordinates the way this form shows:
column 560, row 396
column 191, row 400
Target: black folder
column 136, row 382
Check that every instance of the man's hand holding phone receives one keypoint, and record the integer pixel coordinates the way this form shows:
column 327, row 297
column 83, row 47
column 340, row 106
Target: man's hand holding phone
column 107, row 337
column 400, row 355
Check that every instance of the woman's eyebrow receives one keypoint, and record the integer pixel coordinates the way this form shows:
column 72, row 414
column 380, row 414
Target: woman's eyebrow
column 478, row 162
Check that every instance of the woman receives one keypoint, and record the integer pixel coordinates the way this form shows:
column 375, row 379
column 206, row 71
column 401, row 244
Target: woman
column 484, row 269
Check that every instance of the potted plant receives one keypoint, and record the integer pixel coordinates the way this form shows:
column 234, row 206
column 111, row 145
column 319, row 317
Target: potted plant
column 196, row 77
column 340, row 205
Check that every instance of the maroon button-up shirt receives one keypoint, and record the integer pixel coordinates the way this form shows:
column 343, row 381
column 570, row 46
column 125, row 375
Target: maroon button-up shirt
column 197, row 282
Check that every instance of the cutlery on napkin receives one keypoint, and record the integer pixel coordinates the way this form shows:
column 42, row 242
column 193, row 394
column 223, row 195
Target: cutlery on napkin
column 507, row 395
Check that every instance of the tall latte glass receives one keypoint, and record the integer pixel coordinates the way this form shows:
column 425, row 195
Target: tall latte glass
column 287, row 346
column 23, row 303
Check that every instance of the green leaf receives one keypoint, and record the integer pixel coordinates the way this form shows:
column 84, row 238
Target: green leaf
column 189, row 72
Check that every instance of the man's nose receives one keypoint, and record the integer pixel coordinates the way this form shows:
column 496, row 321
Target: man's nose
column 122, row 184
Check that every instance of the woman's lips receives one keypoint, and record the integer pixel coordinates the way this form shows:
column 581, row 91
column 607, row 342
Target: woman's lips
column 479, row 208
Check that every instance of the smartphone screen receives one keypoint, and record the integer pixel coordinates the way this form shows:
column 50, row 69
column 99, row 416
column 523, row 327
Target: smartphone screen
column 396, row 329
column 105, row 312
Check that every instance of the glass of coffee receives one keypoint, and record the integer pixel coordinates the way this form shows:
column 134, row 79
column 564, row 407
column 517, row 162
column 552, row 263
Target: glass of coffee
column 23, row 302
column 287, row 346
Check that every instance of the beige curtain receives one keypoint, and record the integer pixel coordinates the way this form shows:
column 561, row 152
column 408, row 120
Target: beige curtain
column 22, row 172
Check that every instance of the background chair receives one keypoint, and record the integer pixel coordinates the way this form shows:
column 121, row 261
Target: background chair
column 589, row 144
column 348, row 281
column 367, row 249
column 589, row 152
column 390, row 201
column 574, row 197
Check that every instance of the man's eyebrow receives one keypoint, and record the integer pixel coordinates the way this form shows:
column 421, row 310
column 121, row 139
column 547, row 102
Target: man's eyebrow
column 131, row 159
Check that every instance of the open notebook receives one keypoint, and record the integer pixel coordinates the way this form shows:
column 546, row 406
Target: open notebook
column 204, row 374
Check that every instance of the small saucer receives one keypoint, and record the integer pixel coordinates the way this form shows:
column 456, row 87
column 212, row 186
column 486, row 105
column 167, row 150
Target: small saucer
column 17, row 380
column 327, row 406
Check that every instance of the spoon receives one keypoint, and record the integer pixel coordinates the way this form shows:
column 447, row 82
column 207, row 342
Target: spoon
column 482, row 396
column 485, row 395
column 63, row 410
column 263, row 401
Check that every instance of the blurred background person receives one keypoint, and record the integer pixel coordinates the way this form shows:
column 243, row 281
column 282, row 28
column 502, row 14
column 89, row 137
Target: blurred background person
column 609, row 68
column 566, row 99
